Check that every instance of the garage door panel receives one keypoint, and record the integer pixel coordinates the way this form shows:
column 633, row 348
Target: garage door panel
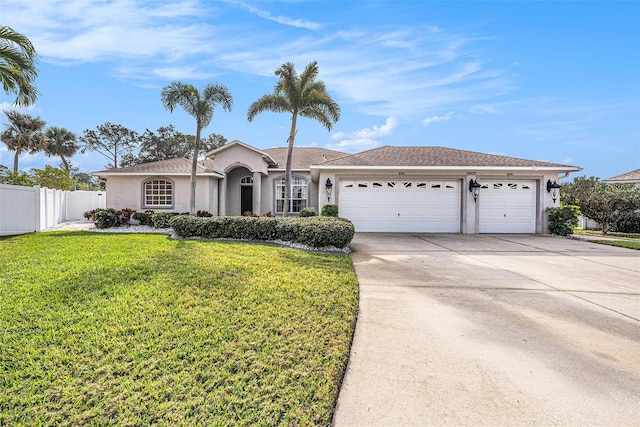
column 403, row 206
column 507, row 207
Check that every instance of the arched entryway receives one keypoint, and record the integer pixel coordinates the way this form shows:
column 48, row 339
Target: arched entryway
column 242, row 192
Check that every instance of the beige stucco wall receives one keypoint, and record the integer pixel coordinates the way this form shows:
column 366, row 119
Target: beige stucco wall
column 239, row 156
column 126, row 192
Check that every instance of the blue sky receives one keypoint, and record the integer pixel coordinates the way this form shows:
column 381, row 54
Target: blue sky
column 553, row 81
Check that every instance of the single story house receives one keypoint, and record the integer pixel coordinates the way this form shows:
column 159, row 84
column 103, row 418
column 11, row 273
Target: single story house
column 632, row 177
column 387, row 189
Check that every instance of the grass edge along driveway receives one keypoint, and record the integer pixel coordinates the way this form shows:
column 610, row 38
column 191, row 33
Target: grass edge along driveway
column 140, row 329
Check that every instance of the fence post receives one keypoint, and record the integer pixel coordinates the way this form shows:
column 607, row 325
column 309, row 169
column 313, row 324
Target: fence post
column 37, row 213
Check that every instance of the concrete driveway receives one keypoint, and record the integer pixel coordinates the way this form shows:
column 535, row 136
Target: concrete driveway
column 493, row 330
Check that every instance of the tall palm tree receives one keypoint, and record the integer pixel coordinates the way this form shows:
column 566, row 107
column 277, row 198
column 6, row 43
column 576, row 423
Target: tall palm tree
column 23, row 133
column 200, row 105
column 17, row 66
column 301, row 96
column 61, row 143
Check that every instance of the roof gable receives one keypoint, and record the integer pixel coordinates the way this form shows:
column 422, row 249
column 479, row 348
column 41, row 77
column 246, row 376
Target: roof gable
column 631, row 177
column 303, row 157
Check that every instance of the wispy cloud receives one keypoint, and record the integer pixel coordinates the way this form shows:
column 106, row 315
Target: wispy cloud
column 396, row 70
column 297, row 23
column 363, row 139
column 437, row 119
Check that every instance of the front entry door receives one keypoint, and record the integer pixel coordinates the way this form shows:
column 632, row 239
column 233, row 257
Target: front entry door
column 246, row 199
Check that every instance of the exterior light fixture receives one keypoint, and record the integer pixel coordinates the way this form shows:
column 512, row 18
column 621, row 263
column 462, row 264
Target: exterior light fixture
column 329, row 187
column 552, row 187
column 474, row 188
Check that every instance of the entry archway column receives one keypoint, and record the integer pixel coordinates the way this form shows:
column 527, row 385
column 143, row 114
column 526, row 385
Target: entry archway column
column 222, row 196
column 257, row 193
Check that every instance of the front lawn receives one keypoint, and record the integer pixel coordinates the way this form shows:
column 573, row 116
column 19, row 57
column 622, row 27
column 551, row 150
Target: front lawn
column 623, row 240
column 136, row 329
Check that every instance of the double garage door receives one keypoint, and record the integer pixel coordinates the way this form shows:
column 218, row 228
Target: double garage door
column 402, row 206
column 434, row 206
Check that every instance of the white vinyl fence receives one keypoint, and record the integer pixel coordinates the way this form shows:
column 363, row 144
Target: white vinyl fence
column 29, row 209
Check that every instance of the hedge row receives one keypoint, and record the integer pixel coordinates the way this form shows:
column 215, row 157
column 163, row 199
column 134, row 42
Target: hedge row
column 316, row 232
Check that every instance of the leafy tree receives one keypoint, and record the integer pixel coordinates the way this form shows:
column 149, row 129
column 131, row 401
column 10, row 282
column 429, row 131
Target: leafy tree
column 17, row 66
column 605, row 203
column 168, row 143
column 4, row 173
column 213, row 141
column 300, row 96
column 112, row 141
column 19, row 178
column 61, row 143
column 200, row 105
column 51, row 177
column 23, row 133
column 86, row 182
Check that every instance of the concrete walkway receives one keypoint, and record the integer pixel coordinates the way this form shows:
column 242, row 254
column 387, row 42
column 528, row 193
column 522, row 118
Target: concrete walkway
column 493, row 330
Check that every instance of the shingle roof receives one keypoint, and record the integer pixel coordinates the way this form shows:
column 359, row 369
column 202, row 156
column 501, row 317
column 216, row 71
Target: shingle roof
column 433, row 156
column 179, row 165
column 303, row 157
column 633, row 176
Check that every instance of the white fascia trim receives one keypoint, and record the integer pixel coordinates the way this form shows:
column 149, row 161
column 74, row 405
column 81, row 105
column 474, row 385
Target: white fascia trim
column 213, row 174
column 459, row 168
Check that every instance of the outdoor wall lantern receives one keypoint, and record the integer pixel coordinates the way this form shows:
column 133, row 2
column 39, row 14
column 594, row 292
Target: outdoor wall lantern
column 474, row 188
column 328, row 186
column 552, row 187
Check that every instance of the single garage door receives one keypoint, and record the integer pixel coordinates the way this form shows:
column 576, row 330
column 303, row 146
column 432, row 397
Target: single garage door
column 401, row 206
column 507, row 207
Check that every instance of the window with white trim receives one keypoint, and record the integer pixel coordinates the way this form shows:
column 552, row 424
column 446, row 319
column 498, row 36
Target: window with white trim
column 158, row 193
column 298, row 199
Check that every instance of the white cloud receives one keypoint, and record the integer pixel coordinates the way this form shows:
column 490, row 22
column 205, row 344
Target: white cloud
column 437, row 119
column 363, row 139
column 297, row 23
column 397, row 70
column 369, row 133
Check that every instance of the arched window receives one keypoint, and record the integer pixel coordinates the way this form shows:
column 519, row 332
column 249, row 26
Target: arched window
column 298, row 199
column 158, row 193
column 246, row 180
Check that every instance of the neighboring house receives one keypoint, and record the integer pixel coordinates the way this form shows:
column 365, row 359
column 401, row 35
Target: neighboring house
column 395, row 189
column 632, row 177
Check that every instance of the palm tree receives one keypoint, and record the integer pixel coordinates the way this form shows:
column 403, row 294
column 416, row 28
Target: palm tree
column 23, row 133
column 17, row 66
column 200, row 105
column 61, row 143
column 301, row 96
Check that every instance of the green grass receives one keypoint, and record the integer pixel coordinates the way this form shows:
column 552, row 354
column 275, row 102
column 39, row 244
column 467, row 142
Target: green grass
column 623, row 240
column 135, row 329
column 622, row 243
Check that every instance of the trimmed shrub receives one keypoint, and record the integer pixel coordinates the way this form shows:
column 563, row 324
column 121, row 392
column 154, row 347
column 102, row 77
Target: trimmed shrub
column 563, row 219
column 106, row 218
column 329, row 210
column 144, row 218
column 316, row 232
column 204, row 214
column 306, row 212
column 161, row 219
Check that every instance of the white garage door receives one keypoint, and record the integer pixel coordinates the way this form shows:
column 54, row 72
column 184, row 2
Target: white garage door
column 507, row 207
column 401, row 206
